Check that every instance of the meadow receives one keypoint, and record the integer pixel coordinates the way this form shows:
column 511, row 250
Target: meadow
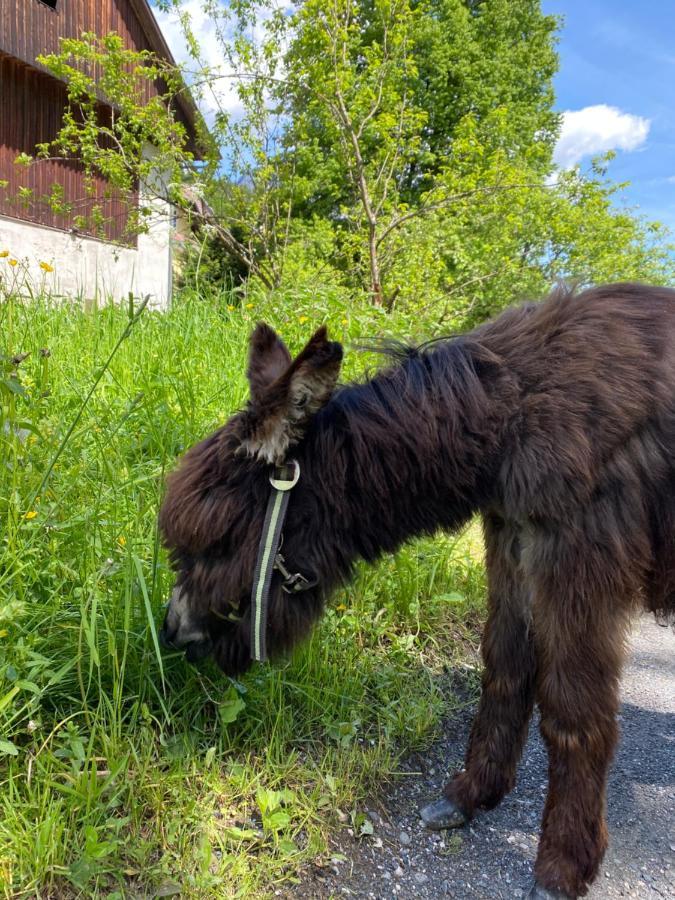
column 124, row 771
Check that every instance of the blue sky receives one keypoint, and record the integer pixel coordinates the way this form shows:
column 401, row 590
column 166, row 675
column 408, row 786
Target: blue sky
column 616, row 87
column 621, row 54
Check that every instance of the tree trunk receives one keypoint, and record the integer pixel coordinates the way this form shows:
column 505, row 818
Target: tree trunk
column 375, row 286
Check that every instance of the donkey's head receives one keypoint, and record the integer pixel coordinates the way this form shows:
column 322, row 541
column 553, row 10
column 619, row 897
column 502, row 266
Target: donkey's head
column 213, row 516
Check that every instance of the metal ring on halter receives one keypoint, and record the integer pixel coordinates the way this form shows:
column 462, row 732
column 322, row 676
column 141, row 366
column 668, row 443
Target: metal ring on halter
column 283, row 484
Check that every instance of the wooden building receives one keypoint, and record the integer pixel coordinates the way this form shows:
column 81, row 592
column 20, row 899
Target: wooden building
column 107, row 262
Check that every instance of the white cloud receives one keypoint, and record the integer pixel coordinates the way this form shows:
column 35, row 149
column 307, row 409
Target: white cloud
column 220, row 94
column 218, row 91
column 596, row 129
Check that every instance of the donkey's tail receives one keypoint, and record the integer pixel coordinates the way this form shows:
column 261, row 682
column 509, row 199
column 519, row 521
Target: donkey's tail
column 660, row 593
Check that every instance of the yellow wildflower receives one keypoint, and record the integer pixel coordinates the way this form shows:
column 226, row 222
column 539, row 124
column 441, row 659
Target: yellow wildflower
column 340, row 607
column 249, row 306
column 302, row 319
column 46, row 267
column 345, row 321
column 121, row 540
column 30, row 514
column 3, row 632
column 13, row 262
column 230, row 307
column 4, row 254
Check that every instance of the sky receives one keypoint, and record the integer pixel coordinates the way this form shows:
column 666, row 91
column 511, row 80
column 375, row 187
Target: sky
column 615, row 88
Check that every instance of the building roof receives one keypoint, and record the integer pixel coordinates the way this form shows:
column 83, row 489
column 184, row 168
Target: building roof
column 158, row 44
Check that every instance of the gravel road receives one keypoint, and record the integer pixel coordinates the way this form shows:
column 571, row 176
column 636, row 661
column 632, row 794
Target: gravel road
column 493, row 858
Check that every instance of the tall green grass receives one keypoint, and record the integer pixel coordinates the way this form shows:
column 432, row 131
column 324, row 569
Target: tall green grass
column 123, row 770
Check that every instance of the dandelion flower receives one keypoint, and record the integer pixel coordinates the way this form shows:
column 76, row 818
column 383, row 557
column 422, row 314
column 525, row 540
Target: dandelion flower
column 302, row 319
column 121, row 540
column 230, row 307
column 30, row 514
column 4, row 254
column 13, row 262
column 249, row 306
column 340, row 607
column 46, row 267
column 345, row 321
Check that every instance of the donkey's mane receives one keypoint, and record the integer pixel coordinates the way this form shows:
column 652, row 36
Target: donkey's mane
column 413, row 379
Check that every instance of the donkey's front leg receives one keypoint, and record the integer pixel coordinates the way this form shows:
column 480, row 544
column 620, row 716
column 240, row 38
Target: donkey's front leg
column 500, row 727
column 580, row 644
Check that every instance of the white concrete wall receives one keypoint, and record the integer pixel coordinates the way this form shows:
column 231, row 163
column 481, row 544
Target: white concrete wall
column 88, row 268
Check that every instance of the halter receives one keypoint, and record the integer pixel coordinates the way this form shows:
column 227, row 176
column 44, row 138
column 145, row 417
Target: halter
column 283, row 480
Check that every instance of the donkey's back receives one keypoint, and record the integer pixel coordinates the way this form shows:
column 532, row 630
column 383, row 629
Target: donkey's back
column 593, row 442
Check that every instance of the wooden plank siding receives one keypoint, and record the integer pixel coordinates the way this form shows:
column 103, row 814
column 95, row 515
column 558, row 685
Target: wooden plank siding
column 31, row 111
column 29, row 28
column 32, row 103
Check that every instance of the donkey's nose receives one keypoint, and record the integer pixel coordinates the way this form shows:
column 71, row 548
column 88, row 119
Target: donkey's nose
column 182, row 630
column 166, row 637
column 198, row 650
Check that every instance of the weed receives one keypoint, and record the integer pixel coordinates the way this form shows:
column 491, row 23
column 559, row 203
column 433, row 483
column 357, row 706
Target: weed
column 124, row 770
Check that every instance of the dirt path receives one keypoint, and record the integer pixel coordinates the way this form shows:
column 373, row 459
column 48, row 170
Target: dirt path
column 493, row 858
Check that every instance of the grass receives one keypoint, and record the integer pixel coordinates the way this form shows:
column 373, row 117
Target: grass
column 123, row 771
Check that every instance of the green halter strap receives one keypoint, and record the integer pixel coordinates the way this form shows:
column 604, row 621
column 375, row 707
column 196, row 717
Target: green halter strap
column 282, row 480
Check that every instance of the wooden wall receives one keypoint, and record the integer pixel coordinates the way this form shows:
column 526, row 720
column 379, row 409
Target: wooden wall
column 32, row 102
column 31, row 111
column 31, row 27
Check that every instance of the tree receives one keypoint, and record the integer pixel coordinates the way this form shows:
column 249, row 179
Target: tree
column 404, row 144
column 117, row 128
column 492, row 62
column 252, row 190
column 417, row 110
column 351, row 70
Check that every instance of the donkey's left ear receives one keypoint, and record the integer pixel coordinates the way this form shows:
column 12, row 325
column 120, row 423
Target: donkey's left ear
column 279, row 415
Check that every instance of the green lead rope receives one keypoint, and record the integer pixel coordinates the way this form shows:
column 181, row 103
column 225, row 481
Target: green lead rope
column 283, row 479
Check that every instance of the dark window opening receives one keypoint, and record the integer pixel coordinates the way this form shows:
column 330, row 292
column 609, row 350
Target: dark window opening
column 50, row 3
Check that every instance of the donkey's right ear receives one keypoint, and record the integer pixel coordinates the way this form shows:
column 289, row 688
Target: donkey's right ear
column 268, row 359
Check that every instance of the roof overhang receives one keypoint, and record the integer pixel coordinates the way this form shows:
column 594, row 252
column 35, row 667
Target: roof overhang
column 199, row 138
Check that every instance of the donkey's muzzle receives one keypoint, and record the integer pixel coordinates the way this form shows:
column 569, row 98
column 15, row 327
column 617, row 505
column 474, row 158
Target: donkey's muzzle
column 195, row 650
column 181, row 632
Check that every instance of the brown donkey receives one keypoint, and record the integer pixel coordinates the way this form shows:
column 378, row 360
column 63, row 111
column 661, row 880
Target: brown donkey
column 555, row 422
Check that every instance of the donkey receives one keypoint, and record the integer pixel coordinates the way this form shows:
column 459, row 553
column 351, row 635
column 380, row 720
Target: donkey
column 556, row 423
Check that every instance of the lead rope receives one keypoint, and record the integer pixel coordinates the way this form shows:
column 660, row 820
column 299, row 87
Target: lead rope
column 282, row 480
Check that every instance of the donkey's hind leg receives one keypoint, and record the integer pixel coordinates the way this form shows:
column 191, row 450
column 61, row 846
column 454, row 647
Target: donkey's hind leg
column 500, row 727
column 580, row 636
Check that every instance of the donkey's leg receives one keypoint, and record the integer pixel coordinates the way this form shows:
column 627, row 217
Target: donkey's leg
column 500, row 727
column 580, row 648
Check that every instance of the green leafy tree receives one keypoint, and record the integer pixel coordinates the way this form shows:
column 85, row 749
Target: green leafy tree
column 490, row 61
column 252, row 191
column 351, row 71
column 402, row 148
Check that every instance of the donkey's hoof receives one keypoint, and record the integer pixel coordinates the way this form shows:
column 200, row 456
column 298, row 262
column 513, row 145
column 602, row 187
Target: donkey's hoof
column 443, row 814
column 537, row 892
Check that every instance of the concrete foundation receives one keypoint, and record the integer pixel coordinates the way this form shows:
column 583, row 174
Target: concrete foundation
column 88, row 268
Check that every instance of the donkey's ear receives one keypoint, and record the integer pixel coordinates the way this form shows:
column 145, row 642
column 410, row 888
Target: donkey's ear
column 279, row 413
column 268, row 359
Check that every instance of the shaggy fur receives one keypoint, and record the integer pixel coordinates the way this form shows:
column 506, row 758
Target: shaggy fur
column 555, row 422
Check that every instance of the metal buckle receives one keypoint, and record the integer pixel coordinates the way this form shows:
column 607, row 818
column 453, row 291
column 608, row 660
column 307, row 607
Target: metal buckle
column 284, row 484
column 293, row 583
